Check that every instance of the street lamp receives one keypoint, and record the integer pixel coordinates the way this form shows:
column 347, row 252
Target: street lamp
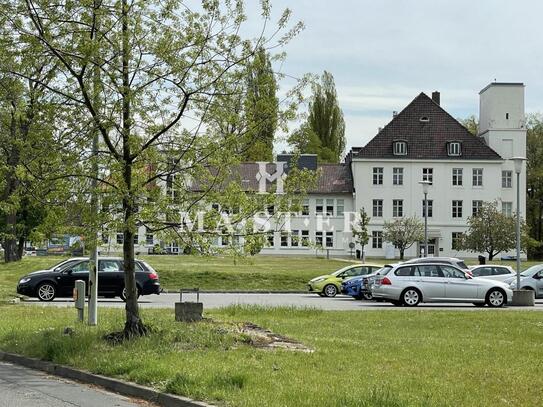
column 518, row 169
column 425, row 186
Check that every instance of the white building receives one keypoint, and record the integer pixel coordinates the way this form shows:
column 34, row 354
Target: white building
column 422, row 142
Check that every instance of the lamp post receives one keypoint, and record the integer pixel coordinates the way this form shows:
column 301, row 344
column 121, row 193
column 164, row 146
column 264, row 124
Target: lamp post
column 425, row 186
column 518, row 169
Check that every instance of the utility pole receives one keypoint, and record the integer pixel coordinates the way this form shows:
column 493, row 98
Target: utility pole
column 93, row 263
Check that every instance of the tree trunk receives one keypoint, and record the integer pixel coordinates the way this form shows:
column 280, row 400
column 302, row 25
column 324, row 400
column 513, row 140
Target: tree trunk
column 402, row 251
column 134, row 325
column 490, row 256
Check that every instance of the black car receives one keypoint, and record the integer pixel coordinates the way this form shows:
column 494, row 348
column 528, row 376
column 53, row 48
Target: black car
column 59, row 281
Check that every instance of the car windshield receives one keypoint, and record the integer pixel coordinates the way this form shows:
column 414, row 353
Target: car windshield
column 462, row 265
column 529, row 271
column 384, row 271
column 336, row 273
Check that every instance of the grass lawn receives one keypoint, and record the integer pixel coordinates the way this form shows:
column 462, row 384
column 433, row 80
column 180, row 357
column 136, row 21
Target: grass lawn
column 372, row 358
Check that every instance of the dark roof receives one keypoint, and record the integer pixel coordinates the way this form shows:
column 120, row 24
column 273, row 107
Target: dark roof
column 426, row 140
column 333, row 178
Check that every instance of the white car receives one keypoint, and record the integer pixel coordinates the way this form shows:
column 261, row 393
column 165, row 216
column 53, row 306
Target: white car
column 411, row 284
column 493, row 272
column 530, row 279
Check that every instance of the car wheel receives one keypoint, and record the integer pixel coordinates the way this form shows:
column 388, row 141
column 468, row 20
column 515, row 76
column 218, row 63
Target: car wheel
column 46, row 292
column 367, row 296
column 330, row 290
column 124, row 294
column 411, row 297
column 479, row 304
column 495, row 298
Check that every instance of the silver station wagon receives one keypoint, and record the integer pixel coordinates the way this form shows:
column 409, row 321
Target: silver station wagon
column 411, row 284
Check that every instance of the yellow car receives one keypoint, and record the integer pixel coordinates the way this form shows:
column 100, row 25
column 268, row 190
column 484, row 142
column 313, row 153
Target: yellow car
column 329, row 285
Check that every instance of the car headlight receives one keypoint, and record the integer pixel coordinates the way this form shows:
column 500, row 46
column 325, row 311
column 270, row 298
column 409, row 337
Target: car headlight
column 24, row 280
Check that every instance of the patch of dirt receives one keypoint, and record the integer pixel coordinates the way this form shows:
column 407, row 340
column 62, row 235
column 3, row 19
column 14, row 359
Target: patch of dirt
column 264, row 338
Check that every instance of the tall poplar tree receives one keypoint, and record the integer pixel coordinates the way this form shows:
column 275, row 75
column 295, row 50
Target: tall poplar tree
column 261, row 108
column 325, row 120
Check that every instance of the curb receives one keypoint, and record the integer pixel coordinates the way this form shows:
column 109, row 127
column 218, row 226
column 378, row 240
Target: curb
column 113, row 385
column 168, row 291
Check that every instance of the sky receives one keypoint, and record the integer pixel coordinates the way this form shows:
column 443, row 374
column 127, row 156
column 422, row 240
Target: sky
column 383, row 53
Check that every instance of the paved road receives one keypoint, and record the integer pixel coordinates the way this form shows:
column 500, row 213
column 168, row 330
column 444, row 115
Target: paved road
column 22, row 387
column 340, row 303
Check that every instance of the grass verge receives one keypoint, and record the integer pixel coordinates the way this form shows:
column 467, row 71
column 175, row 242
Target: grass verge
column 381, row 358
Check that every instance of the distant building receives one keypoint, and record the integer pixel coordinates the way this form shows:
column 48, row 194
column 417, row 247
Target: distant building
column 422, row 142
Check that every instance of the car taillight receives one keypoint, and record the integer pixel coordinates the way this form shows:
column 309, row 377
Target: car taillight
column 386, row 281
column 153, row 276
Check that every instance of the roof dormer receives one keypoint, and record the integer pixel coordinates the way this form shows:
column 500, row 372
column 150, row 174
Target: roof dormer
column 399, row 147
column 454, row 148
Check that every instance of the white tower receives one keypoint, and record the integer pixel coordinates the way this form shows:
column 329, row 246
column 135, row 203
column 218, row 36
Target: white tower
column 501, row 118
column 502, row 123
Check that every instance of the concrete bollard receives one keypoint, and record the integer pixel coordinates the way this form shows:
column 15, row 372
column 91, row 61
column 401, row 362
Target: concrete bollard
column 523, row 298
column 189, row 311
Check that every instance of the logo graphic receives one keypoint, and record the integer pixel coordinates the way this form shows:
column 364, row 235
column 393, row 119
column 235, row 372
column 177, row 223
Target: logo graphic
column 262, row 176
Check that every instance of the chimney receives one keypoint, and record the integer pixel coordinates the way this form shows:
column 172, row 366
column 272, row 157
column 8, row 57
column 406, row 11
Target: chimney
column 436, row 97
column 394, row 113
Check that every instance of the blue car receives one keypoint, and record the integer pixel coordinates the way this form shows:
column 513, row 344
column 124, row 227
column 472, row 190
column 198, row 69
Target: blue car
column 352, row 287
column 359, row 287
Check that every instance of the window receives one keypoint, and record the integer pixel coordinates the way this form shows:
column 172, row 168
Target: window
column 340, row 208
column 329, row 207
column 136, row 238
column 378, row 176
column 271, row 238
column 270, row 210
column 284, row 239
column 108, row 265
column 305, row 238
column 120, row 238
column 482, row 272
column 377, row 239
column 507, row 208
column 456, row 209
column 507, row 179
column 428, row 174
column 105, row 238
column 82, row 267
column 451, row 272
column 476, row 207
column 454, row 149
column 457, row 177
column 429, row 271
column 149, row 238
column 500, row 271
column 400, row 148
column 329, row 239
column 397, row 208
column 377, row 208
column 430, row 203
column 319, row 207
column 405, row 271
column 295, row 238
column 318, row 238
column 305, row 207
column 477, row 177
column 397, row 176
column 456, row 238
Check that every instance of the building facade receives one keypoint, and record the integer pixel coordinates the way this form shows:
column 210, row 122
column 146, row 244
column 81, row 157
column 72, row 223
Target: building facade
column 422, row 142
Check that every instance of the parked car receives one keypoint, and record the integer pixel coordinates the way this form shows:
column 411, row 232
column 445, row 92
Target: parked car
column 530, row 279
column 360, row 287
column 492, row 272
column 410, row 284
column 59, row 280
column 329, row 285
column 439, row 260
